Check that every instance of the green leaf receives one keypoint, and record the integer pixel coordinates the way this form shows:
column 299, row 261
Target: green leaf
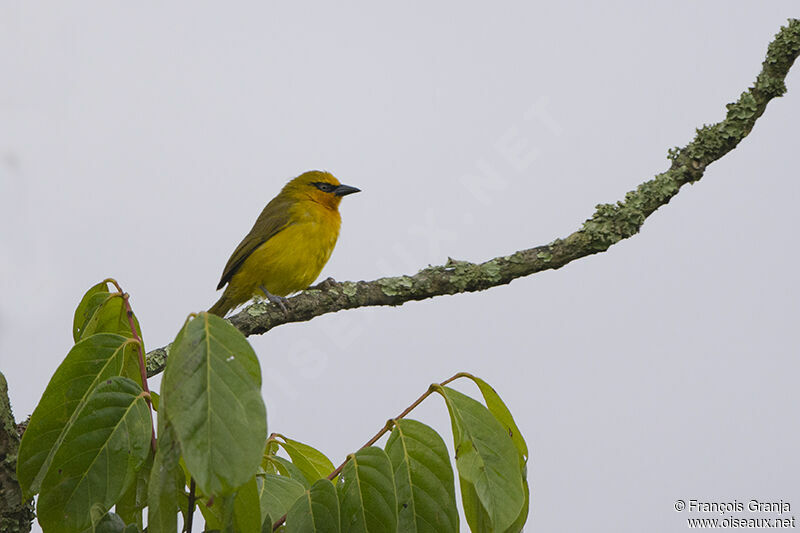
column 496, row 406
column 501, row 412
column 93, row 298
column 516, row 527
column 287, row 468
column 272, row 446
column 130, row 505
column 218, row 513
column 89, row 362
column 269, row 465
column 266, row 527
column 111, row 316
column 211, row 394
column 477, row 518
column 155, row 399
column 98, row 459
column 311, row 462
column 247, row 508
column 277, row 494
column 423, row 476
column 317, row 511
column 166, row 482
column 367, row 493
column 213, row 515
column 487, row 460
column 110, row 523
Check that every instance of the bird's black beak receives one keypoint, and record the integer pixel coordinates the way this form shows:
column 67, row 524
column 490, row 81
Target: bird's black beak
column 344, row 190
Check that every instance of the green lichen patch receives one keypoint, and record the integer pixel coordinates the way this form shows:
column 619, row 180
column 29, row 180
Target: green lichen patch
column 349, row 288
column 785, row 47
column 745, row 108
column 455, row 263
column 157, row 359
column 770, row 87
column 707, row 143
column 517, row 258
column 258, row 308
column 604, row 228
column 395, row 286
column 491, row 270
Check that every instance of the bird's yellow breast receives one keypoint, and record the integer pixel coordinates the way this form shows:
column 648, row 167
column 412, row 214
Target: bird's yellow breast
column 294, row 257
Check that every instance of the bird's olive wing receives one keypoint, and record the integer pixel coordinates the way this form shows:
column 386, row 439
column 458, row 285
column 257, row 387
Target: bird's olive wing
column 273, row 219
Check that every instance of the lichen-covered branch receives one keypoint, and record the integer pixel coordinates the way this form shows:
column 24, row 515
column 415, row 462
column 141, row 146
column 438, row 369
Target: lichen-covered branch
column 610, row 223
column 16, row 514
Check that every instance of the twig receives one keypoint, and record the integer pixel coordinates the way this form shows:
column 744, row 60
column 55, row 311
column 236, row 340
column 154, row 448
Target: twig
column 387, row 427
column 190, row 506
column 609, row 224
column 390, row 422
column 142, row 366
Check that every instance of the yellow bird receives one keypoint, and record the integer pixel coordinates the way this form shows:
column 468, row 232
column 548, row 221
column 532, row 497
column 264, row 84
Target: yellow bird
column 289, row 244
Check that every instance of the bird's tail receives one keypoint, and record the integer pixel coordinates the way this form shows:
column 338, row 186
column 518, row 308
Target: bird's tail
column 222, row 306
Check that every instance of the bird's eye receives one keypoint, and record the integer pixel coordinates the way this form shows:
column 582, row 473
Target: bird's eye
column 324, row 187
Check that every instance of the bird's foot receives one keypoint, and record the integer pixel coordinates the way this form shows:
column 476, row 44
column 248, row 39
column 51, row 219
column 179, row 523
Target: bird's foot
column 280, row 301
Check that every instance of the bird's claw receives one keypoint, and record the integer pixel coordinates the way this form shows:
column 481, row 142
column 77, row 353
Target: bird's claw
column 280, row 301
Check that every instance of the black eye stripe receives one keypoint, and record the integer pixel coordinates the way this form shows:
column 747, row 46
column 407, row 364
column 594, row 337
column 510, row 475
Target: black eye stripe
column 324, row 187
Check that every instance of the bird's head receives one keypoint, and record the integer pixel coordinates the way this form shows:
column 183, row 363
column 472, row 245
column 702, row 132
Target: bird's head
column 318, row 186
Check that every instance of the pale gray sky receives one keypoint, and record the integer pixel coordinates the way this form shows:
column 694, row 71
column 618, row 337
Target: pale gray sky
column 141, row 141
